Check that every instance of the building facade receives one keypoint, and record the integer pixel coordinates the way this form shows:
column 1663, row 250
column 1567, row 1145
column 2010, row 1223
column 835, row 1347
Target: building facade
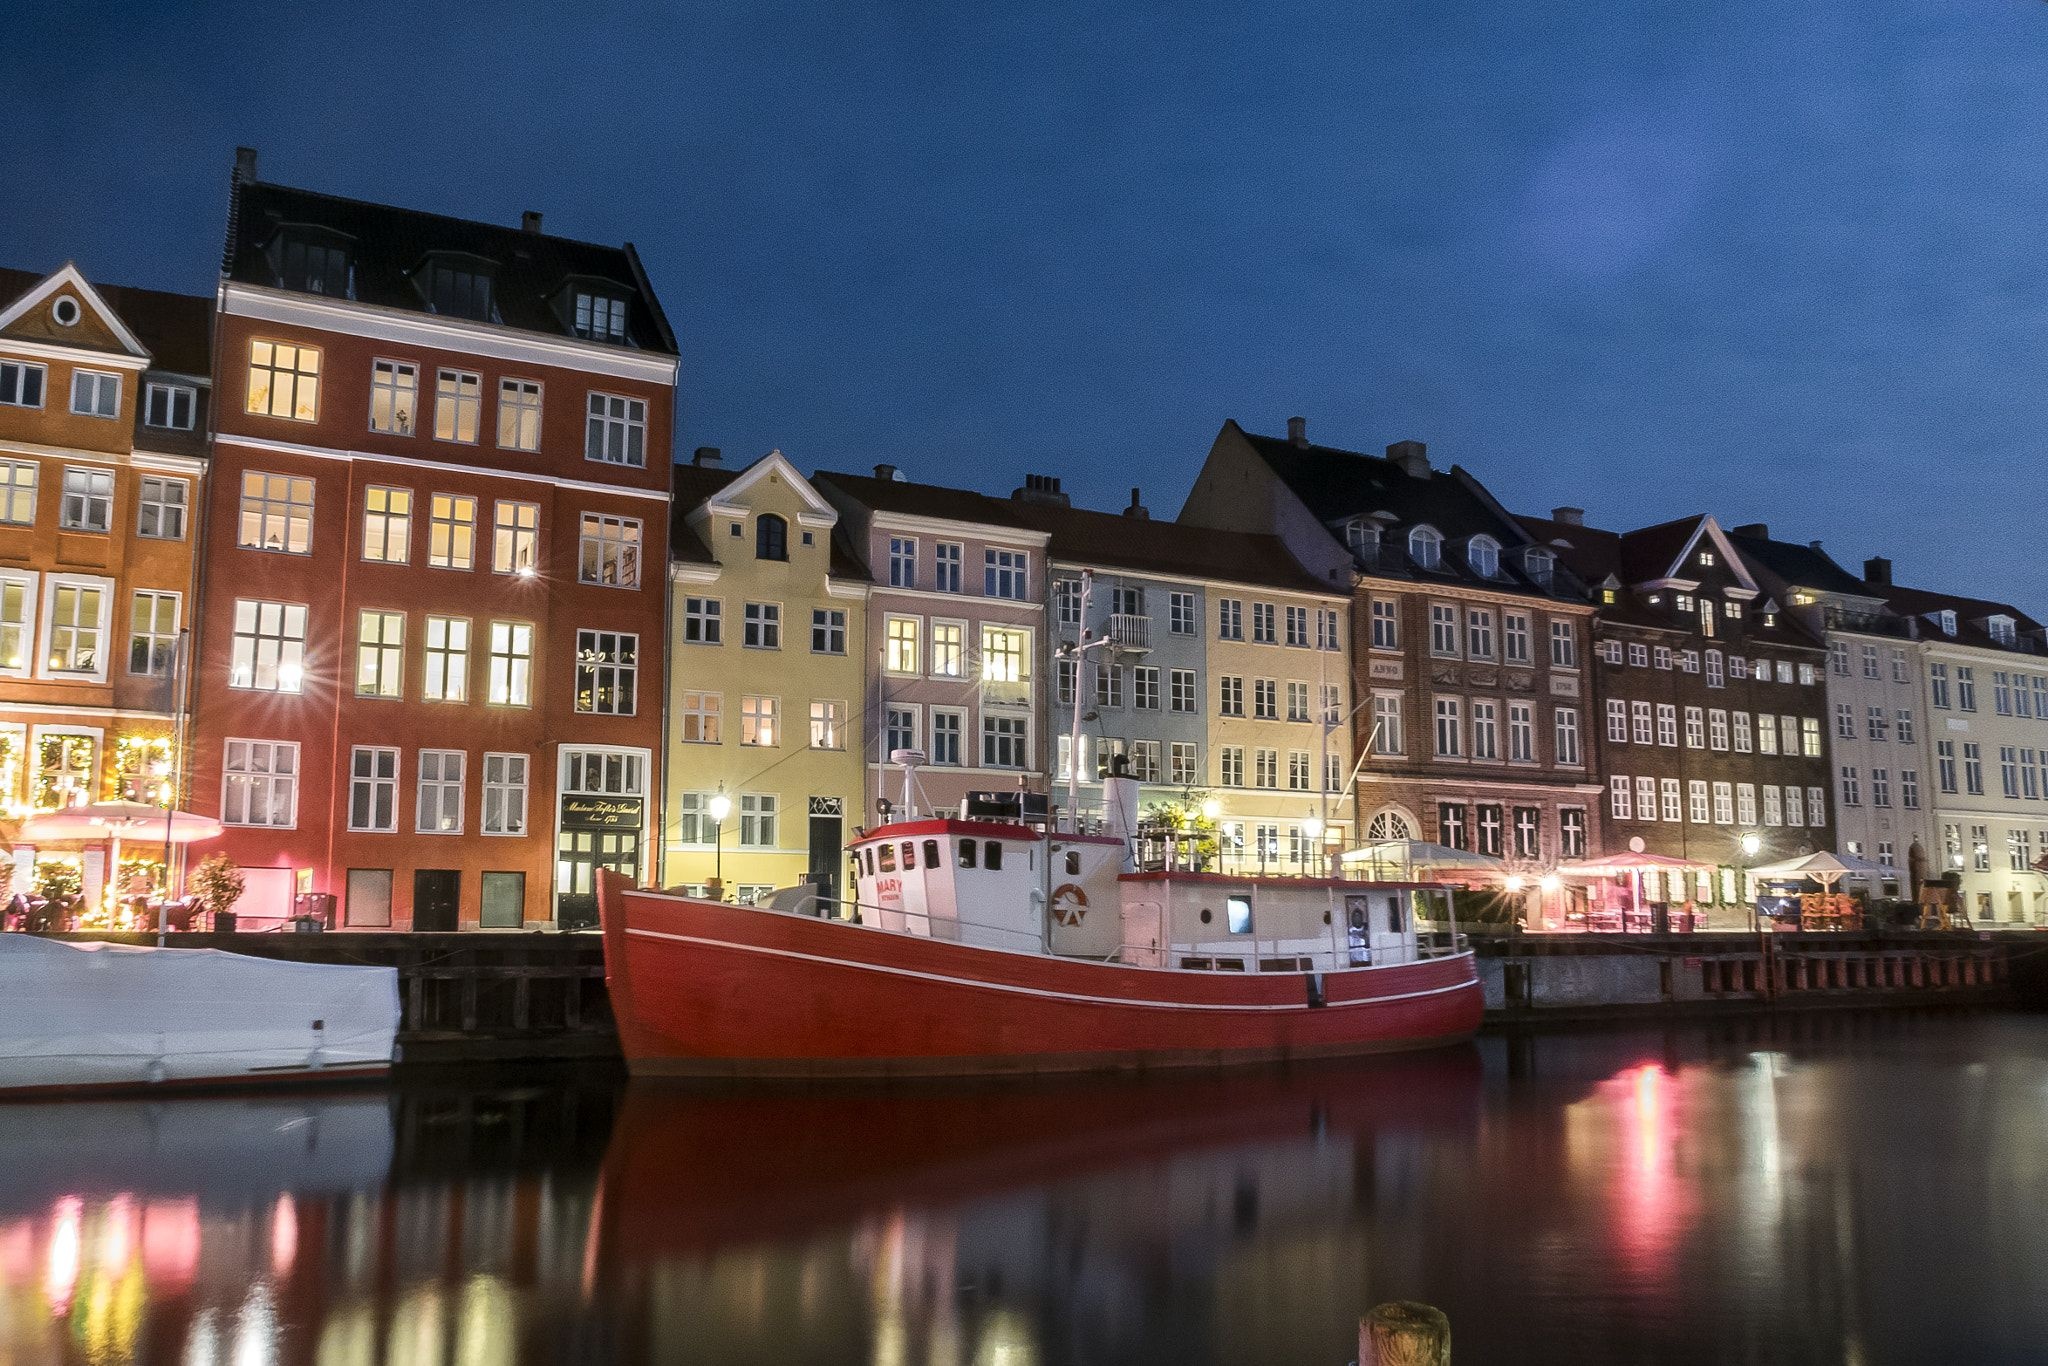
column 956, row 617
column 769, row 648
column 104, row 394
column 431, row 649
column 1711, row 705
column 1225, row 677
column 1469, row 642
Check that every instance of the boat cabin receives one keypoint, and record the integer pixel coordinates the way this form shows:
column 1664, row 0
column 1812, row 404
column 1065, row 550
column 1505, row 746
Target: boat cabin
column 988, row 883
column 1220, row 923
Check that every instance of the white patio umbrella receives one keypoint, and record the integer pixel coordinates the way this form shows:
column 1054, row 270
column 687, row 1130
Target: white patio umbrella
column 1633, row 865
column 1825, row 868
column 1411, row 855
column 117, row 821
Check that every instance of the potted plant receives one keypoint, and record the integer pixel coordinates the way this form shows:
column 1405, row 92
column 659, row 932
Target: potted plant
column 218, row 883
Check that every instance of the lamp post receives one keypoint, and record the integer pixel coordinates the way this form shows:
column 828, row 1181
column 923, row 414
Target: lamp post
column 1313, row 829
column 720, row 807
column 1750, row 843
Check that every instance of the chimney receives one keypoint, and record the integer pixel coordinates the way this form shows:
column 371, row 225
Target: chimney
column 1297, row 431
column 1042, row 488
column 1878, row 570
column 885, row 471
column 1569, row 516
column 707, row 457
column 1412, row 457
column 1755, row 531
column 245, row 164
column 1813, row 544
column 1137, row 510
column 530, row 221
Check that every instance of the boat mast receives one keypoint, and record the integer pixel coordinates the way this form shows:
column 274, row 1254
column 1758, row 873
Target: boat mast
column 1078, row 652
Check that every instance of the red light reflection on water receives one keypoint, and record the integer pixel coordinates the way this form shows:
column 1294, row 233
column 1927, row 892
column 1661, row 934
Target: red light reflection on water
column 170, row 1243
column 66, row 1231
column 1654, row 1202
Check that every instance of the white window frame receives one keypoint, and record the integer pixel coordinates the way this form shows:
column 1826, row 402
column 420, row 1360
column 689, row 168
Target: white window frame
column 445, row 525
column 88, row 496
column 27, row 582
column 434, row 777
column 374, row 783
column 54, row 584
column 19, row 370
column 515, row 540
column 155, row 492
column 291, row 385
column 170, row 396
column 519, row 400
column 101, row 391
column 269, row 780
column 13, row 489
column 394, row 387
column 445, row 657
column 458, row 404
column 288, row 668
column 157, row 638
column 615, row 430
column 617, row 542
column 507, row 777
column 284, row 509
column 387, row 530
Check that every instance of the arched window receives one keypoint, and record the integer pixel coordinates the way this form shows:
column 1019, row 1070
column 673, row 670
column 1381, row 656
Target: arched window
column 1482, row 553
column 1362, row 536
column 1542, row 567
column 771, row 537
column 1390, row 823
column 1426, row 547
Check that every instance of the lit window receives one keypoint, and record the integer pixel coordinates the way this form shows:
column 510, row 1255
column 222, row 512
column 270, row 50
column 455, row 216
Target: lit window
column 75, row 629
column 387, row 524
column 260, row 783
column 607, row 671
column 511, row 681
column 515, row 542
column 269, row 651
column 458, row 406
column 18, row 492
column 828, row 725
column 447, row 650
column 380, row 654
column 277, row 514
column 152, row 633
column 451, row 531
column 610, row 551
column 697, row 717
column 284, row 381
column 758, row 720
column 394, row 396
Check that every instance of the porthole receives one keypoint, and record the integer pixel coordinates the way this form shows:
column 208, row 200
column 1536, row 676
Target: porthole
column 65, row 311
column 1206, row 915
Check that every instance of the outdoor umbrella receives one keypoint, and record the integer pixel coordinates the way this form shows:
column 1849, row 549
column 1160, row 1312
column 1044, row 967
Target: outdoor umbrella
column 1825, row 868
column 117, row 821
column 1634, row 865
column 1410, row 855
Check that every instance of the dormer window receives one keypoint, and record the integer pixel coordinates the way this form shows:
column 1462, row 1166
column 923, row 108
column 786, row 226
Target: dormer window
column 600, row 316
column 313, row 263
column 1706, row 559
column 459, row 289
column 1482, row 553
column 1541, row 567
column 2001, row 629
column 1426, row 547
column 1946, row 620
column 1608, row 597
column 170, row 406
column 1362, row 538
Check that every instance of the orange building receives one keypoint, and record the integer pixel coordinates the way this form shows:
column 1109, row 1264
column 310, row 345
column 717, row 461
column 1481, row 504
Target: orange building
column 104, row 393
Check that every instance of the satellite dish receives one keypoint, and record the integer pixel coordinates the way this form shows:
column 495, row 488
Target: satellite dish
column 1635, row 844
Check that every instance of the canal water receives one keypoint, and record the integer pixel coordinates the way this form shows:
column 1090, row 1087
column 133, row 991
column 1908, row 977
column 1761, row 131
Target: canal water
column 1855, row 1189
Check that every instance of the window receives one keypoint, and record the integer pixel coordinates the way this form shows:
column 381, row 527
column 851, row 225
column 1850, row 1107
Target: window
column 458, row 406
column 1980, row 853
column 1669, row 791
column 1638, row 655
column 1262, row 623
column 702, row 621
column 1881, row 787
column 1145, row 687
column 1450, row 731
column 1696, row 808
column 1005, row 664
column 1788, row 735
column 277, row 514
column 900, row 646
column 1522, row 732
column 1386, row 624
column 899, row 729
column 1695, row 728
column 18, row 492
column 1326, row 628
column 1180, row 613
column 1478, row 634
column 1714, row 675
column 828, row 631
column 1621, row 800
column 313, row 267
column 373, row 789
column 394, row 396
column 1482, row 553
column 946, row 559
column 1898, row 665
column 1639, row 729
column 1717, row 729
column 828, row 725
column 459, row 291
column 1966, row 688
column 1485, row 730
column 94, row 393
column 1850, row 795
column 515, row 541
column 1181, row 690
column 451, row 531
column 88, row 499
column 173, row 407
column 439, row 808
column 599, row 316
column 1809, row 736
column 1945, row 764
column 1266, row 768
column 1109, row 685
column 387, row 524
column 1909, row 788
column 152, row 633
column 609, row 551
column 616, row 433
column 1973, row 769
column 380, row 654
column 1567, row 727
column 447, row 677
column 503, row 902
column 1667, row 727
column 2009, row 770
column 1564, row 645
column 1004, row 742
column 1795, row 807
column 1265, row 700
column 1182, row 763
column 269, row 651
column 1425, row 547
column 1937, row 684
column 1845, row 721
column 1646, row 799
column 761, row 626
column 1229, row 619
column 607, row 672
column 21, row 384
column 1878, row 723
column 511, row 681
column 1774, row 805
column 759, row 720
column 368, row 895
column 2001, row 692
column 260, row 783
column 519, row 415
column 1443, row 630
column 1663, row 656
column 948, row 724
column 903, row 570
column 1385, row 737
column 948, row 649
column 284, row 381
column 1297, row 626
column 1229, row 695
column 1515, row 637
column 697, row 716
column 159, row 508
column 1724, row 804
column 1004, row 574
column 771, row 537
column 758, row 811
column 1571, row 832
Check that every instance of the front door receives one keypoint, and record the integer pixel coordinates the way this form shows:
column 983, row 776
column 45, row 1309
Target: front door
column 578, row 857
column 828, row 839
column 436, row 895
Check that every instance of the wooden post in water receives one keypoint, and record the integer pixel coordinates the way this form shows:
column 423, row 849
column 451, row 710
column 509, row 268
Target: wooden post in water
column 1404, row 1333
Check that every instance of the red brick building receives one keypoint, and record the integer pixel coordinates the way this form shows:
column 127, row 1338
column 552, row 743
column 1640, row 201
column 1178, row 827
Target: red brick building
column 431, row 650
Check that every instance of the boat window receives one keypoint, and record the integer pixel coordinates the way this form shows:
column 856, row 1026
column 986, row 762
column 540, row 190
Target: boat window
column 888, row 858
column 966, row 853
column 910, row 856
column 866, row 856
column 992, row 856
column 1239, row 910
column 931, row 853
column 1073, row 862
column 1395, row 919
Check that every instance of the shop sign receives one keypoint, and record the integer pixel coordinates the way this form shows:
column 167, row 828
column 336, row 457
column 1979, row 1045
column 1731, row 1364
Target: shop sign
column 602, row 813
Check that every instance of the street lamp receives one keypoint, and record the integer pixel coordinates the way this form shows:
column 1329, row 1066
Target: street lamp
column 1750, row 843
column 720, row 806
column 1312, row 828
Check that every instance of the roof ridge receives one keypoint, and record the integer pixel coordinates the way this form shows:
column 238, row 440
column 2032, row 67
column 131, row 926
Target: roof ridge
column 509, row 230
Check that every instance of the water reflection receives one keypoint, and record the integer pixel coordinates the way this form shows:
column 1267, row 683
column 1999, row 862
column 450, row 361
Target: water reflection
column 1799, row 1191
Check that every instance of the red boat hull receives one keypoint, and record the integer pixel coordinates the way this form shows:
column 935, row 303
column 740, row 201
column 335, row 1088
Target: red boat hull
column 704, row 989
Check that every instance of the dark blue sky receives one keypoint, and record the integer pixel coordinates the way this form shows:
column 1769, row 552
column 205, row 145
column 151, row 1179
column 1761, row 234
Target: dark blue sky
column 1775, row 260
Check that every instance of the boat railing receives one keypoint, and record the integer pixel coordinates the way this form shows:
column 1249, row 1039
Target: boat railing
column 817, row 907
column 1440, row 943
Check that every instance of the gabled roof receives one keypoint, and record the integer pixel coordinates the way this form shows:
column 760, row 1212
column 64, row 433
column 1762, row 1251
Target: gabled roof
column 1589, row 552
column 175, row 329
column 696, row 485
column 926, row 500
column 387, row 245
column 1139, row 545
column 1801, row 566
column 1970, row 616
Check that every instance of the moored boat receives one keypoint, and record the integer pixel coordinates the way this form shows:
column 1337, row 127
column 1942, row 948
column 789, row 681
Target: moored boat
column 985, row 943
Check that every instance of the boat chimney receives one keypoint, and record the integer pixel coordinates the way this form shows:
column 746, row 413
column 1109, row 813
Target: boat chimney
column 1120, row 810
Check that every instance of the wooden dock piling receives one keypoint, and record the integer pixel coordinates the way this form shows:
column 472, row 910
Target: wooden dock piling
column 1404, row 1333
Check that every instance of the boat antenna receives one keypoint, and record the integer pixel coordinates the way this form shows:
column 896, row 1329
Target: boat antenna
column 1076, row 652
column 913, row 790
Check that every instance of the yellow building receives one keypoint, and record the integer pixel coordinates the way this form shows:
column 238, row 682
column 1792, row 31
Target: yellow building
column 768, row 650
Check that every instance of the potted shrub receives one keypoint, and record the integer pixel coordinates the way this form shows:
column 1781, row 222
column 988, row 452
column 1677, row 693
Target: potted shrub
column 218, row 884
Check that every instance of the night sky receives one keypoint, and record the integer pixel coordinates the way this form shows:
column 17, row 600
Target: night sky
column 1780, row 260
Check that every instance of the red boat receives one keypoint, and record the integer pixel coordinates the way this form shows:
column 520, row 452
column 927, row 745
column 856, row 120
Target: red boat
column 990, row 945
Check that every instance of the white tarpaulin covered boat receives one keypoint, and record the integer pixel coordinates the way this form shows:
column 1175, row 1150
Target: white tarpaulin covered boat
column 107, row 1015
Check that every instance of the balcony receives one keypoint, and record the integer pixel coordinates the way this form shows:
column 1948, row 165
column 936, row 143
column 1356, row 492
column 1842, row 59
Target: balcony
column 1129, row 631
